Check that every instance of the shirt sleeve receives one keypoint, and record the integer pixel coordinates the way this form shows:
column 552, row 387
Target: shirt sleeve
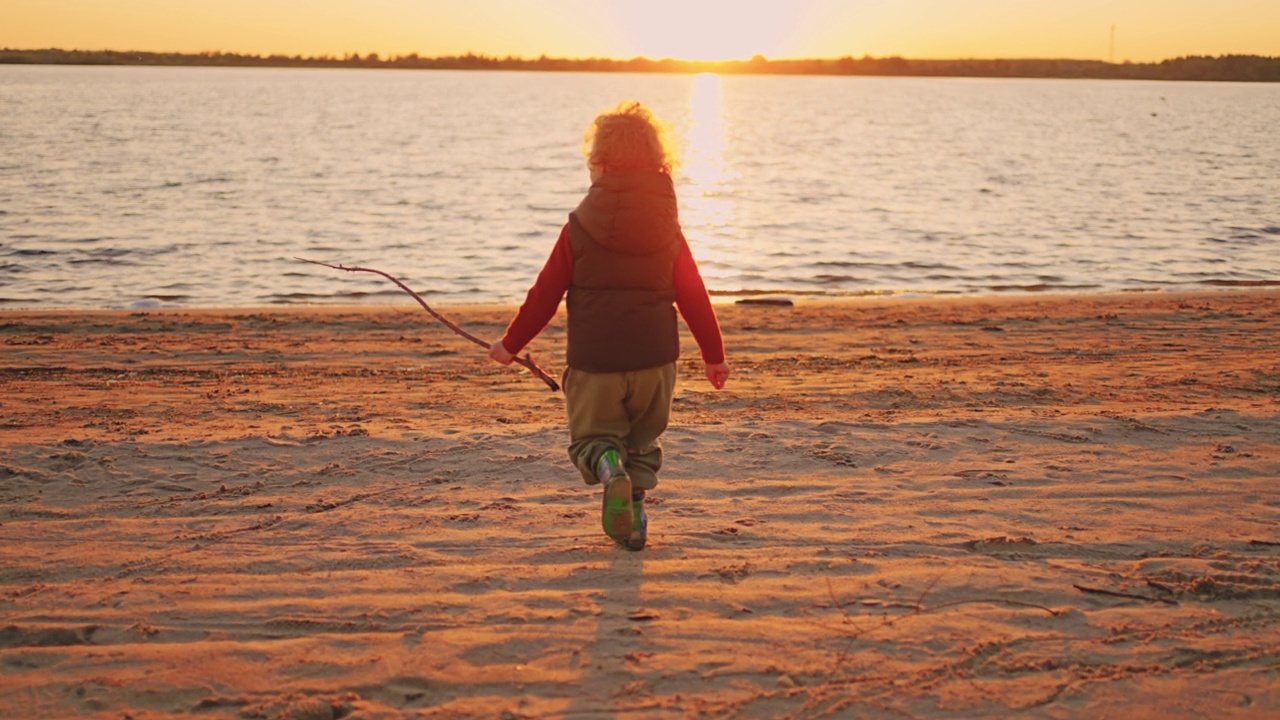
column 695, row 307
column 543, row 299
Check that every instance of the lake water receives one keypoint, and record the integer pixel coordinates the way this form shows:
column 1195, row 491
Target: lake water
column 134, row 187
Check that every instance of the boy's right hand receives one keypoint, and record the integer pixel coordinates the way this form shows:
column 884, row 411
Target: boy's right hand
column 499, row 354
column 717, row 374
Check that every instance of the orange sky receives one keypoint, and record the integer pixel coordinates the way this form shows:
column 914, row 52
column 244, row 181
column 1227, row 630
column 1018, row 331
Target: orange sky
column 1146, row 30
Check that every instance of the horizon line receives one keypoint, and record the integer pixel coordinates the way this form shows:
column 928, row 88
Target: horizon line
column 758, row 58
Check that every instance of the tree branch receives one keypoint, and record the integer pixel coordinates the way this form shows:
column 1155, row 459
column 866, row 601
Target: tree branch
column 526, row 361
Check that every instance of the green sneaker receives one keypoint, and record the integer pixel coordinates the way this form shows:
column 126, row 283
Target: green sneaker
column 639, row 522
column 616, row 514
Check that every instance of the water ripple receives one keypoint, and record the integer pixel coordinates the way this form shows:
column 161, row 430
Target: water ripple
column 145, row 187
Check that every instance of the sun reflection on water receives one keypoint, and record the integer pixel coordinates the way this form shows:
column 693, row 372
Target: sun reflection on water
column 706, row 194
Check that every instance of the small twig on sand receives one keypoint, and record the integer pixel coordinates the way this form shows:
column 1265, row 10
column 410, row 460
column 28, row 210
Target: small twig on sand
column 925, row 593
column 992, row 601
column 919, row 609
column 525, row 362
column 1131, row 596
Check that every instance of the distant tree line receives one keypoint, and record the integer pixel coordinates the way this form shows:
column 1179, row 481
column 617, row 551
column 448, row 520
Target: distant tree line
column 1237, row 68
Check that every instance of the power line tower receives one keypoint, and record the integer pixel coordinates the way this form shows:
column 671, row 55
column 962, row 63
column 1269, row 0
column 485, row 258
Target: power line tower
column 1111, row 52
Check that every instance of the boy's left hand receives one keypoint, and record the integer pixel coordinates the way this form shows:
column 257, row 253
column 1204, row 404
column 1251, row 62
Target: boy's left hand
column 717, row 374
column 499, row 354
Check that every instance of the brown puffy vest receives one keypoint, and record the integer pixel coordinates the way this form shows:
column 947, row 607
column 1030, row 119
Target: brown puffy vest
column 622, row 315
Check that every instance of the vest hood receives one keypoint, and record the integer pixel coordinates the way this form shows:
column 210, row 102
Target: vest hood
column 631, row 212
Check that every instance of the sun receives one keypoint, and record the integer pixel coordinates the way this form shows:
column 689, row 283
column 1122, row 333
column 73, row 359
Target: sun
column 706, row 29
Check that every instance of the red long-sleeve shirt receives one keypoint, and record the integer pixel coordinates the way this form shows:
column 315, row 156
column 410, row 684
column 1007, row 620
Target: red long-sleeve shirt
column 548, row 290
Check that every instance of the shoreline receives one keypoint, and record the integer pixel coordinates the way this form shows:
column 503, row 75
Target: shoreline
column 719, row 299
column 1025, row 506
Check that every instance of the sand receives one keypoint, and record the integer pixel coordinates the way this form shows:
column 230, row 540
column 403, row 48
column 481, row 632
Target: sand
column 1044, row 507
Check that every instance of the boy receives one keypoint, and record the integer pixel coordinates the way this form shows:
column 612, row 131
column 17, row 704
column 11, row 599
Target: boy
column 626, row 267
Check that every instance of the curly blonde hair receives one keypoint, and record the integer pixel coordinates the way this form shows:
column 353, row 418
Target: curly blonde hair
column 629, row 137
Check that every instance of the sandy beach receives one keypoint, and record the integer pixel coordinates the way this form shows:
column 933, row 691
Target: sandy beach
column 1032, row 507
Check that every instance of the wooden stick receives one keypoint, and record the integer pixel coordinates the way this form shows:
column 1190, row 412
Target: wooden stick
column 526, row 361
column 1131, row 596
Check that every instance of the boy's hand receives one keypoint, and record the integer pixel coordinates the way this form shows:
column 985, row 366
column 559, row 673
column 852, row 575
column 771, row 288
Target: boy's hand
column 499, row 353
column 717, row 374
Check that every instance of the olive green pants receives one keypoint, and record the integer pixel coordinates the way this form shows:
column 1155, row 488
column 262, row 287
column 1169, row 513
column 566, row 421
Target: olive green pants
column 626, row 411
